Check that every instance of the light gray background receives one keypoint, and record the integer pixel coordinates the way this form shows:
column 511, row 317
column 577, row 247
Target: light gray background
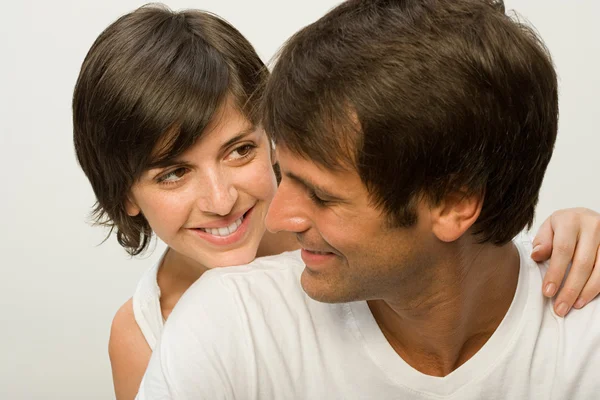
column 58, row 288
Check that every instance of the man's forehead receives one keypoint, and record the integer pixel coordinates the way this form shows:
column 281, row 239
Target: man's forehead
column 291, row 160
column 313, row 174
column 287, row 156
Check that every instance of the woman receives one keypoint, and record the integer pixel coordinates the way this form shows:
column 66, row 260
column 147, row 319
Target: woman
column 166, row 129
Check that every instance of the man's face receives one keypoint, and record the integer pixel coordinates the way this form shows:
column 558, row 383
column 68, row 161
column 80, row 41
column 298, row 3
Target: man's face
column 349, row 250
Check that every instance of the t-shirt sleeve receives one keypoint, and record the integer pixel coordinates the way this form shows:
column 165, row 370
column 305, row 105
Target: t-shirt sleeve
column 580, row 353
column 202, row 353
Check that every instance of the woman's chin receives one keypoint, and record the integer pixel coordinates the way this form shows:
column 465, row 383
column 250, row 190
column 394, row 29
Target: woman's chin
column 234, row 258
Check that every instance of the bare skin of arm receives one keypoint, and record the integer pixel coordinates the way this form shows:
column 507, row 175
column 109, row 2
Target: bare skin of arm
column 129, row 353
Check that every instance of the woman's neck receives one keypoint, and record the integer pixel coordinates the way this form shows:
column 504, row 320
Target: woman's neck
column 175, row 275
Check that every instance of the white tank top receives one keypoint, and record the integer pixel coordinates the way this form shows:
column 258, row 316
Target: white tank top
column 146, row 305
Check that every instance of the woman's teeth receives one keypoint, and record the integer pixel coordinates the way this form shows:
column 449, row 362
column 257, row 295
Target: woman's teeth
column 226, row 230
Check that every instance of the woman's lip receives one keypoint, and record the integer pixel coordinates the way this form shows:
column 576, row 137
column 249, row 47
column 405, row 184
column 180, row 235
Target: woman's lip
column 223, row 223
column 230, row 239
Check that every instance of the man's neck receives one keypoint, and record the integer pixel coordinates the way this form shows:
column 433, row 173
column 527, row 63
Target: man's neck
column 461, row 305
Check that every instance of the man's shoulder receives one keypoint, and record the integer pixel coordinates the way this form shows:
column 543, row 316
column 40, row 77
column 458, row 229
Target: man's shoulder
column 582, row 327
column 280, row 269
column 262, row 280
column 288, row 262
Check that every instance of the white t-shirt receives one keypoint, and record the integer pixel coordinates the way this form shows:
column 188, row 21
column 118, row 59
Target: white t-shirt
column 146, row 305
column 252, row 333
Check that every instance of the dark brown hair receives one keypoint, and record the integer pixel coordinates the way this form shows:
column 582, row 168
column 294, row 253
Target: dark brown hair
column 154, row 78
column 422, row 98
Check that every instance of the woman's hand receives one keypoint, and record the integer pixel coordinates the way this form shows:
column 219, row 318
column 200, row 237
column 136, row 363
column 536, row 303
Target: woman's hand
column 570, row 237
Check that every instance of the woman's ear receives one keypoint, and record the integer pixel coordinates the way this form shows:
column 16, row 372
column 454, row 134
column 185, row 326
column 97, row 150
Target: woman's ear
column 132, row 209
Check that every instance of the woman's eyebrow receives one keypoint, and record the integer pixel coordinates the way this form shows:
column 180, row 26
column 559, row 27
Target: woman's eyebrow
column 239, row 136
column 165, row 163
column 169, row 162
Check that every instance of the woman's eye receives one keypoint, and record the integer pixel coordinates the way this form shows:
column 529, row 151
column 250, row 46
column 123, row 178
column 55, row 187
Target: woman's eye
column 242, row 151
column 173, row 176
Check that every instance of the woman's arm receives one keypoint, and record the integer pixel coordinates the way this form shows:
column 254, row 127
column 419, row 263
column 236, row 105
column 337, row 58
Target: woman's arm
column 129, row 353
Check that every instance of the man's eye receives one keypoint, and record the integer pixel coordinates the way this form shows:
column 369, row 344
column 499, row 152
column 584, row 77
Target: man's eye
column 173, row 176
column 317, row 200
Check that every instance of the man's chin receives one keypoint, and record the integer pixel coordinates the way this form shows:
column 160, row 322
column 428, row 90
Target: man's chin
column 324, row 290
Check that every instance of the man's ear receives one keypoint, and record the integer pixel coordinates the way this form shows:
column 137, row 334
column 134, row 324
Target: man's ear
column 273, row 153
column 455, row 214
column 132, row 209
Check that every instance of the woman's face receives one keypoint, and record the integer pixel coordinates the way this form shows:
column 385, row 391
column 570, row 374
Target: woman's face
column 210, row 204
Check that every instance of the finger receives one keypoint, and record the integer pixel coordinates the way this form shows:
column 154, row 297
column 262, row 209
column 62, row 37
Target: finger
column 563, row 249
column 542, row 243
column 581, row 269
column 592, row 287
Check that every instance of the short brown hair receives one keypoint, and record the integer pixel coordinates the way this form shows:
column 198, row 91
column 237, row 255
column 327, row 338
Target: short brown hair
column 151, row 73
column 422, row 97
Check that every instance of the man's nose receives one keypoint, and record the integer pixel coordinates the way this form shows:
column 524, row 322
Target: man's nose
column 288, row 211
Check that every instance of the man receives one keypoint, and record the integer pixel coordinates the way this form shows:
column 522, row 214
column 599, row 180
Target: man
column 413, row 137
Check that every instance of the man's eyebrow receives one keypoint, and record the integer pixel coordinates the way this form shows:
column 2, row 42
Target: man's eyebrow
column 311, row 185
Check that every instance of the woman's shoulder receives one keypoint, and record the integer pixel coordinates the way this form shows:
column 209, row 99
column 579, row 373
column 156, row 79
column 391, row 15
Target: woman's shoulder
column 128, row 351
column 124, row 329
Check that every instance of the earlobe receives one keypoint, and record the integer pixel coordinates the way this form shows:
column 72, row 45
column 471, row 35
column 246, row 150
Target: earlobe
column 455, row 214
column 131, row 208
